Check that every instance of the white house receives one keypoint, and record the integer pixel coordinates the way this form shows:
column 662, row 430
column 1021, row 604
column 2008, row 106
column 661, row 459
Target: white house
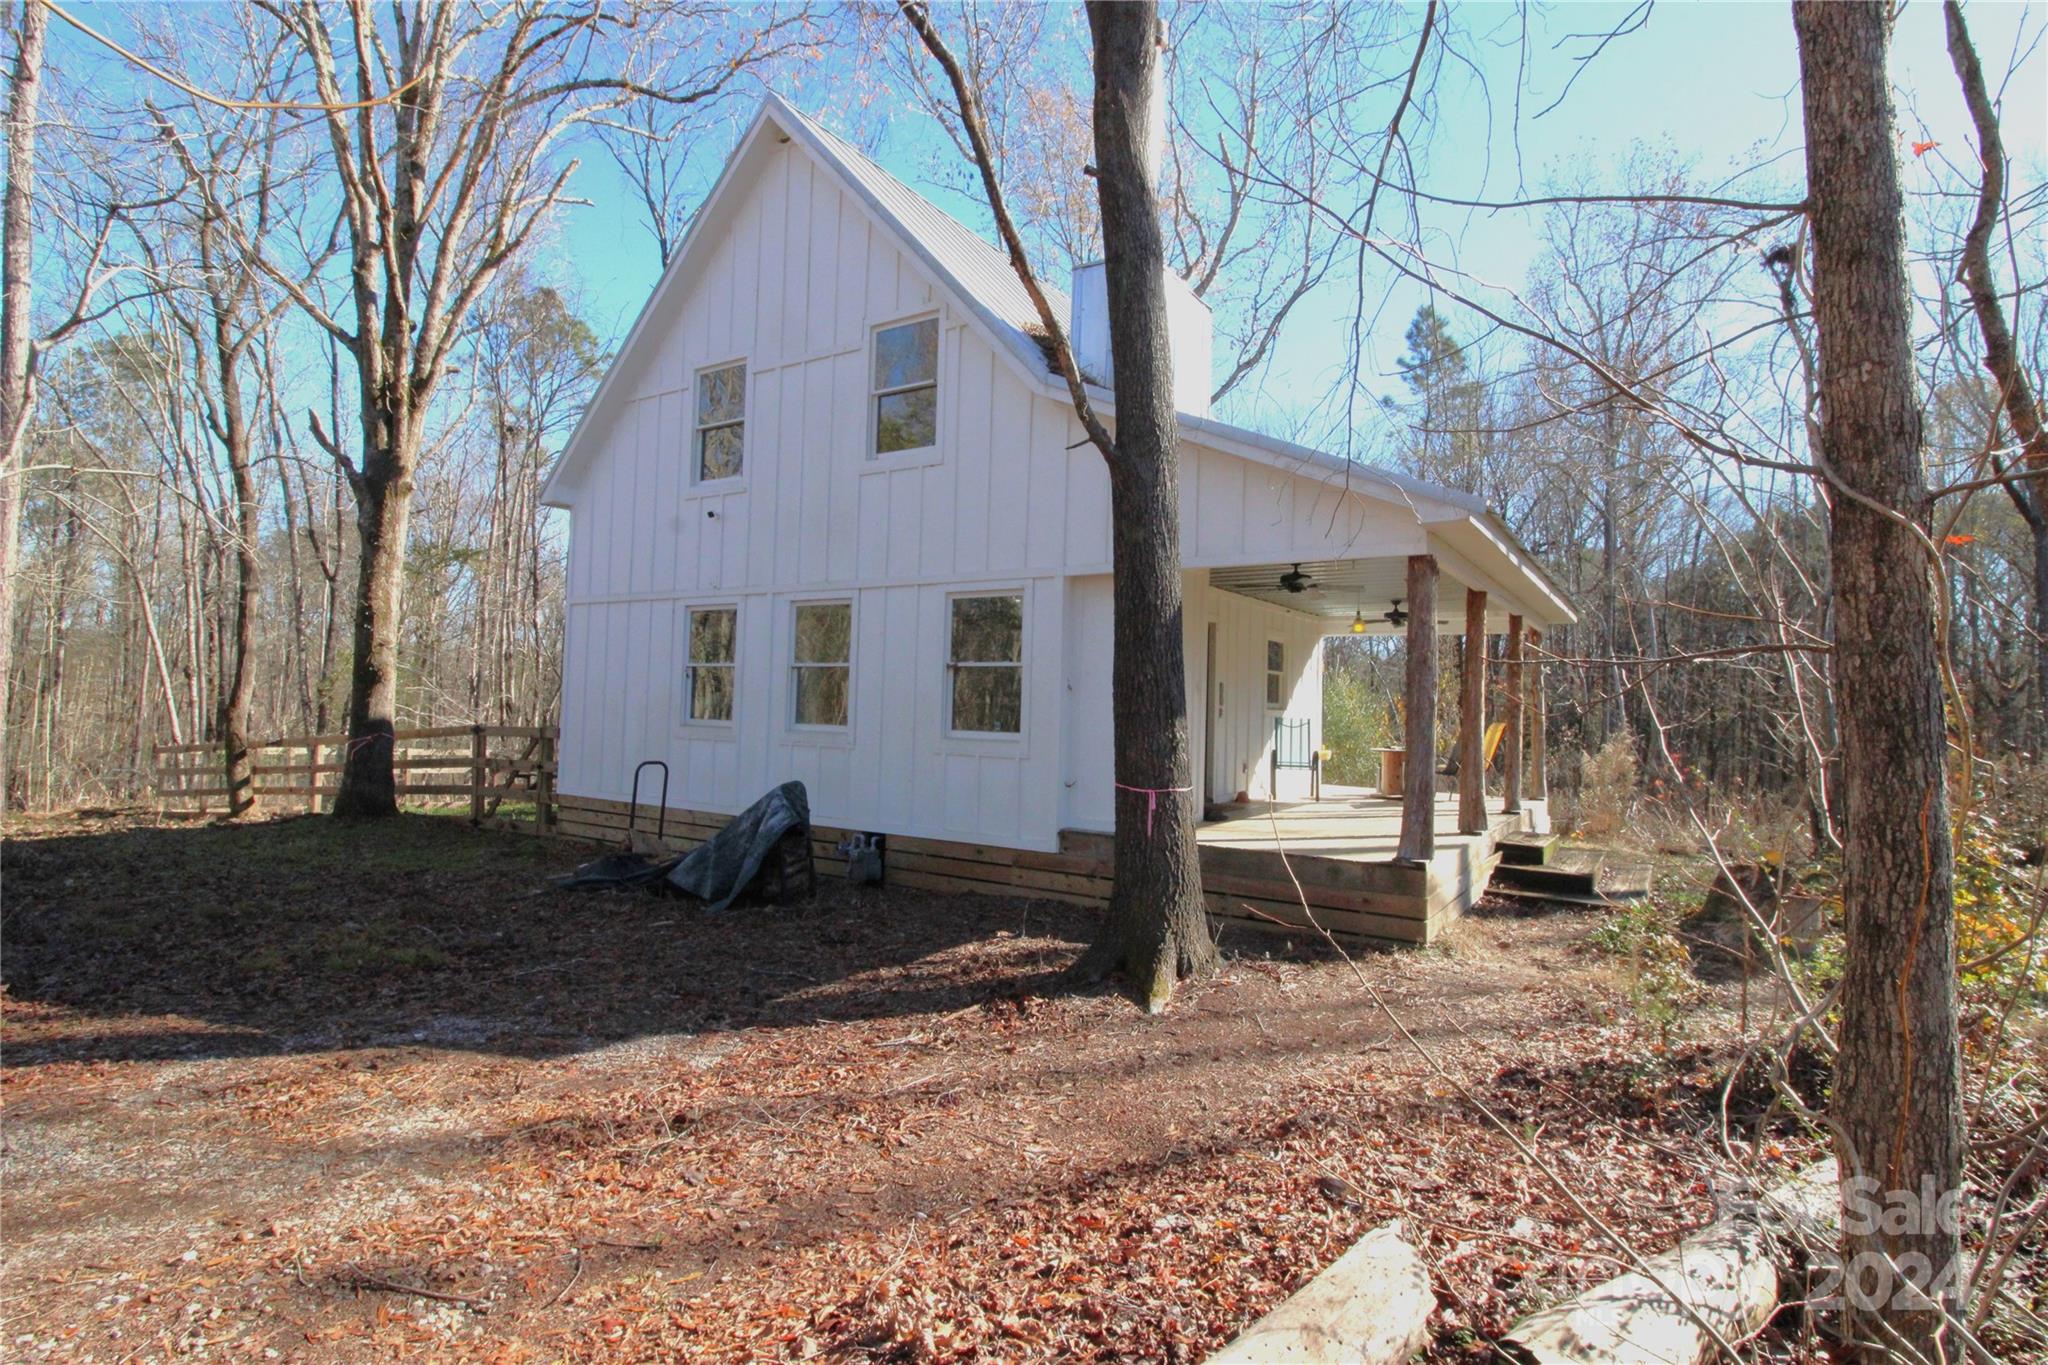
column 832, row 519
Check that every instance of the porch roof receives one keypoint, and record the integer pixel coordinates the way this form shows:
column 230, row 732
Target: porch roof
column 1472, row 545
column 1342, row 591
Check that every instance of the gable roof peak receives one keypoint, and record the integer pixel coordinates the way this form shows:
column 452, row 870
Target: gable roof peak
column 974, row 273
column 965, row 262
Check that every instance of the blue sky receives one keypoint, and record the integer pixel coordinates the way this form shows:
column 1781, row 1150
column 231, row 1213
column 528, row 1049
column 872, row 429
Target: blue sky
column 1712, row 83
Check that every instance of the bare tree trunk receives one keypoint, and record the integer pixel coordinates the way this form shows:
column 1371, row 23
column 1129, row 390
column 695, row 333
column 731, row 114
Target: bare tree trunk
column 383, row 515
column 229, row 419
column 2037, row 527
column 330, row 632
column 145, row 606
column 240, row 682
column 17, row 260
column 2029, row 489
column 1610, row 560
column 1157, row 929
column 64, row 535
column 296, row 642
column 1897, row 1103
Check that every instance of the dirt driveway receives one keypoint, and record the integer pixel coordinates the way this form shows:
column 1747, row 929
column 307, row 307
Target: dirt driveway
column 304, row 1091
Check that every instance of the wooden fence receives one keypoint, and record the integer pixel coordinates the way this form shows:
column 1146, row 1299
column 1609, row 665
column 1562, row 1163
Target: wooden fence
column 483, row 766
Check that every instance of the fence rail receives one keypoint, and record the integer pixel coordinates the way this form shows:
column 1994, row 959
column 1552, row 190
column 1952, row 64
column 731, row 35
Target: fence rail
column 486, row 764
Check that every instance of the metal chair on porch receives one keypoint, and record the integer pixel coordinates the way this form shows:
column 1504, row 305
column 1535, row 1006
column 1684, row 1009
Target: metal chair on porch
column 1294, row 747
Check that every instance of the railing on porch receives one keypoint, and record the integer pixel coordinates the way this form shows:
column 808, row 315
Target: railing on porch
column 486, row 767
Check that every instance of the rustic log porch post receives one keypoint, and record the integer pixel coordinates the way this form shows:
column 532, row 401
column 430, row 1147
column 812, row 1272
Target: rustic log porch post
column 1472, row 720
column 1539, row 744
column 1511, row 756
column 1418, row 704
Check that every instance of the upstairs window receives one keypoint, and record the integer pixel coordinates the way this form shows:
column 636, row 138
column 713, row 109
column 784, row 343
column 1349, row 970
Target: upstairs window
column 906, row 390
column 1276, row 673
column 712, row 637
column 721, row 421
column 819, row 668
column 986, row 657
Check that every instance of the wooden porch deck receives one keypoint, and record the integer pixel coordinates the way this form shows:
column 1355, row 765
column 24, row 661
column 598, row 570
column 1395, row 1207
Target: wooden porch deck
column 1340, row 849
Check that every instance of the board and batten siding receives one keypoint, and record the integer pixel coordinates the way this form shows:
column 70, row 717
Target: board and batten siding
column 895, row 768
column 1009, row 499
column 1001, row 494
column 1242, row 734
column 794, row 289
column 1236, row 511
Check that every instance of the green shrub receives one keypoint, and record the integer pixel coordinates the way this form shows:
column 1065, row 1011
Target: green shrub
column 1656, row 968
column 1357, row 720
column 1997, row 950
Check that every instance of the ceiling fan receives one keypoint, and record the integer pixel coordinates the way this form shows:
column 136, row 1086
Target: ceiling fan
column 1296, row 581
column 1395, row 617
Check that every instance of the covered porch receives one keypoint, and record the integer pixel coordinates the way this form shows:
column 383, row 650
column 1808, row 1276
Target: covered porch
column 1398, row 863
column 1341, row 851
column 1344, row 850
column 1497, row 637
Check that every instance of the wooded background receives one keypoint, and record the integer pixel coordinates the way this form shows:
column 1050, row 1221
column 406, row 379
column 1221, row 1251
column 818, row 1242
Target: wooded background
column 191, row 468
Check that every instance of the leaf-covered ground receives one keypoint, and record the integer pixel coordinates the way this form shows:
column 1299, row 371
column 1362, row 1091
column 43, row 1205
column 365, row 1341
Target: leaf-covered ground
column 308, row 1091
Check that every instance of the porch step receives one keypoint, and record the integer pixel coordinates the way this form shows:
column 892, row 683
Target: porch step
column 1542, row 880
column 1526, row 850
column 1579, row 876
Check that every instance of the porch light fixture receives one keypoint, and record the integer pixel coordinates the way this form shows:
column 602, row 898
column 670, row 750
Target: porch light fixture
column 1358, row 622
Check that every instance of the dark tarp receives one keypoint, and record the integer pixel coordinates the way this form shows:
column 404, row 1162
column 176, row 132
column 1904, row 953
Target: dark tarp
column 721, row 868
column 716, row 871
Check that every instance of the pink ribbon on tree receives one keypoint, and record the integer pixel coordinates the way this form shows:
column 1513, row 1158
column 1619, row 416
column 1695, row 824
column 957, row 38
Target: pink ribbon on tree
column 1152, row 795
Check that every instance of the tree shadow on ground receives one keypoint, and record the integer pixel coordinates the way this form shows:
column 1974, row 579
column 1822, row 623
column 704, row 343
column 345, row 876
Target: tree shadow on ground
column 309, row 933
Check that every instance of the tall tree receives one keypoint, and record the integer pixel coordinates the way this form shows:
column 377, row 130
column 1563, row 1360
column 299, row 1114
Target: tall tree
column 1434, row 356
column 17, row 259
column 1252, row 256
column 1156, row 932
column 1157, row 928
column 2025, row 479
column 440, row 124
column 1897, row 1105
column 536, row 363
column 1447, row 416
column 222, row 316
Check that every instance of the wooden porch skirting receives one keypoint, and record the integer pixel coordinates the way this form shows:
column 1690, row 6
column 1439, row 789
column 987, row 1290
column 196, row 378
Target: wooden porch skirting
column 1356, row 900
column 928, row 864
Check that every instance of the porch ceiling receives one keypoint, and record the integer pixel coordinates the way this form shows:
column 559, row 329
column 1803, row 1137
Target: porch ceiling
column 1343, row 587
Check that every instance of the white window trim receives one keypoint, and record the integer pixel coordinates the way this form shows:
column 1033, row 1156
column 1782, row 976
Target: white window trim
column 910, row 455
column 1280, row 673
column 1002, row 739
column 821, row 734
column 686, row 721
column 725, row 483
